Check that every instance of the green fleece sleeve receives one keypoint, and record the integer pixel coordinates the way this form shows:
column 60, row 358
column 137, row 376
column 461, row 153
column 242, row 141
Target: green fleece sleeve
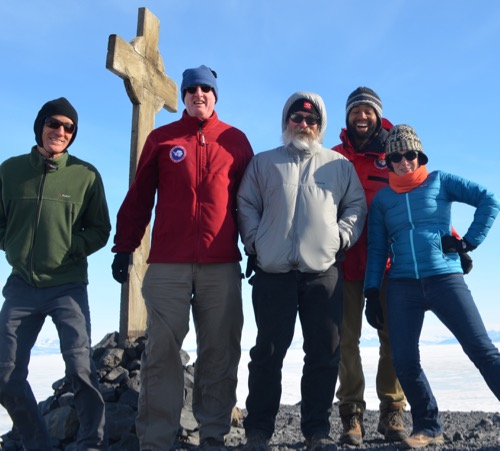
column 93, row 234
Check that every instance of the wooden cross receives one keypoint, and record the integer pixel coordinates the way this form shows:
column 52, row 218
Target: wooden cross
column 149, row 89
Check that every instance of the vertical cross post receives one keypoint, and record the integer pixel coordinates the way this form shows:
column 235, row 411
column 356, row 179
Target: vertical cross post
column 140, row 65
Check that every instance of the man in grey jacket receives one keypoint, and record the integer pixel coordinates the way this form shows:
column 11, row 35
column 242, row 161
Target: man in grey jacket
column 299, row 206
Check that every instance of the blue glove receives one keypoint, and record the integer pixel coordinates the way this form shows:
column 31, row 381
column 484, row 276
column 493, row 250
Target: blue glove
column 120, row 266
column 373, row 309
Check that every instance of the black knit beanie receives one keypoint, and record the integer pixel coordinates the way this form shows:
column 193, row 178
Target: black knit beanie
column 303, row 105
column 53, row 107
column 363, row 95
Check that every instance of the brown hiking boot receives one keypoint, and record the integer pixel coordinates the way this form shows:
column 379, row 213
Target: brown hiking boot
column 354, row 430
column 421, row 441
column 391, row 423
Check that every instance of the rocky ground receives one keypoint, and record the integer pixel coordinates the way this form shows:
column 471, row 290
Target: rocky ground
column 462, row 431
column 118, row 368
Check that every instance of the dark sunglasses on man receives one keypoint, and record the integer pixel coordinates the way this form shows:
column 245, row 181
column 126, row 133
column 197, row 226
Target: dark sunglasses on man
column 204, row 88
column 298, row 118
column 55, row 124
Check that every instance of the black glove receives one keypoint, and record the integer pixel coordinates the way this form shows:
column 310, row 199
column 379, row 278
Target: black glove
column 373, row 310
column 250, row 265
column 466, row 262
column 120, row 266
column 450, row 243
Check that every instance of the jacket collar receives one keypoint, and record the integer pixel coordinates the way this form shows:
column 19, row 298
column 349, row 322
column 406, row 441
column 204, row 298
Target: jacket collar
column 376, row 145
column 195, row 123
column 40, row 162
column 301, row 154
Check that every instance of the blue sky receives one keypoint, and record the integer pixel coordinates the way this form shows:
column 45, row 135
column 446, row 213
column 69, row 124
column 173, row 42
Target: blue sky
column 434, row 64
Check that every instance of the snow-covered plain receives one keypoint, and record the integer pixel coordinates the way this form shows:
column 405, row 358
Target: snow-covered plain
column 457, row 384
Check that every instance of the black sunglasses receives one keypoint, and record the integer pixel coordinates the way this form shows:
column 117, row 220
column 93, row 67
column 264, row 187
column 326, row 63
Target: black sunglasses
column 396, row 157
column 55, row 124
column 204, row 88
column 298, row 118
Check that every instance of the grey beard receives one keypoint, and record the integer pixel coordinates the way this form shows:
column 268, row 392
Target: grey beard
column 305, row 143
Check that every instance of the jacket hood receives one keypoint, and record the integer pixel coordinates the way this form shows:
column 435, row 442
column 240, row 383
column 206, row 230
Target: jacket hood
column 318, row 103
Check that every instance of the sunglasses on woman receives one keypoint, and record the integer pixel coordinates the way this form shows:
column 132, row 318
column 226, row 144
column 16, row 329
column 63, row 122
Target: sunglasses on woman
column 396, row 157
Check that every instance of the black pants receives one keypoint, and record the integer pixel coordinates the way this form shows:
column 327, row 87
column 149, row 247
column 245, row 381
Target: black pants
column 276, row 300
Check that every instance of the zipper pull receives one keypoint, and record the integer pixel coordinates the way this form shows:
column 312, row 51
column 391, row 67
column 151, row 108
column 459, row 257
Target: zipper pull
column 200, row 131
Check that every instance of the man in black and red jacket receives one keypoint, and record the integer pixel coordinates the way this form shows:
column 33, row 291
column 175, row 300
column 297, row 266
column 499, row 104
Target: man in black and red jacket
column 363, row 143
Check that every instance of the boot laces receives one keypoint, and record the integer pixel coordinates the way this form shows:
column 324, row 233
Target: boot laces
column 395, row 419
column 352, row 422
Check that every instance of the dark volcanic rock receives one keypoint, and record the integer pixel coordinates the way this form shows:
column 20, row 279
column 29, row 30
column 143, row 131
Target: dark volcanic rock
column 462, row 431
column 118, row 368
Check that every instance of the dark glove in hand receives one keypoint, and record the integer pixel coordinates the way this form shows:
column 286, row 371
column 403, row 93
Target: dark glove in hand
column 250, row 265
column 466, row 263
column 373, row 309
column 450, row 243
column 120, row 266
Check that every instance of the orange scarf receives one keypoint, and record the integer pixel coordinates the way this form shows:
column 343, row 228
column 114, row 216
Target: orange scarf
column 407, row 182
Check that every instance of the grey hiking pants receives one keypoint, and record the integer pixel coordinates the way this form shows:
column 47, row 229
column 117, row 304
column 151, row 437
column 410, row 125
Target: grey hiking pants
column 21, row 319
column 171, row 290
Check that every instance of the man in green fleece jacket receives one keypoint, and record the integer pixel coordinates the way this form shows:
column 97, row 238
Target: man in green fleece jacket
column 53, row 214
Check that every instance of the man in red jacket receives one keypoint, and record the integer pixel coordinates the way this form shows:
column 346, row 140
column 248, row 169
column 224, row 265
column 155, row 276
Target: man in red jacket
column 192, row 168
column 363, row 143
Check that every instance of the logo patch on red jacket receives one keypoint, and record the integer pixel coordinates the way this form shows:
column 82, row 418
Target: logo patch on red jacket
column 177, row 154
column 380, row 164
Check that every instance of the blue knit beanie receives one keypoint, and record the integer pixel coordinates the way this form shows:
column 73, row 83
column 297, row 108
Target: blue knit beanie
column 202, row 75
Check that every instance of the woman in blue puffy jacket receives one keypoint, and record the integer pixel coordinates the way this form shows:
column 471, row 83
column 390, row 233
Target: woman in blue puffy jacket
column 411, row 222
